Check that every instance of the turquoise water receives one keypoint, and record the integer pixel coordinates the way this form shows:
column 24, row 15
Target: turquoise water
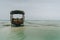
column 32, row 30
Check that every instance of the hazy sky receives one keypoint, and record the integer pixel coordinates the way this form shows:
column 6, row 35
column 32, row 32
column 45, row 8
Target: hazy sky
column 34, row 9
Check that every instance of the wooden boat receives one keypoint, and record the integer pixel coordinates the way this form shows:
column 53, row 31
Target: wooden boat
column 18, row 20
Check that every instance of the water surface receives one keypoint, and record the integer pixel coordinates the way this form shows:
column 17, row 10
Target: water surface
column 32, row 30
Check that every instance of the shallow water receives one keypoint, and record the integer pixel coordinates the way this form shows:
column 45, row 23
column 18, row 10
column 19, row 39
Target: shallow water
column 32, row 30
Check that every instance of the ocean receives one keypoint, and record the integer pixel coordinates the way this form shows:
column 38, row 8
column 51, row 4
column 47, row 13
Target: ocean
column 32, row 30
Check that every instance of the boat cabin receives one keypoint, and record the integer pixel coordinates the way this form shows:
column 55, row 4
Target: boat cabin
column 17, row 17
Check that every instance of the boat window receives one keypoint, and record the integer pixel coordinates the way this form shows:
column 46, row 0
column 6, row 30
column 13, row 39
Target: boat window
column 17, row 16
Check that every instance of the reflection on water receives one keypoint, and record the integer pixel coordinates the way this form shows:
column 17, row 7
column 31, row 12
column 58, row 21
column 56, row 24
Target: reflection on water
column 12, row 33
column 16, row 33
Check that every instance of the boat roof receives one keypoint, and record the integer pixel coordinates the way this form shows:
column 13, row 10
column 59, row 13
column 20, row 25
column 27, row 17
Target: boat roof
column 17, row 12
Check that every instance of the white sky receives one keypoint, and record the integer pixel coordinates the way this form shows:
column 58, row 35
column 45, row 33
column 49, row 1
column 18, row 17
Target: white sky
column 34, row 9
